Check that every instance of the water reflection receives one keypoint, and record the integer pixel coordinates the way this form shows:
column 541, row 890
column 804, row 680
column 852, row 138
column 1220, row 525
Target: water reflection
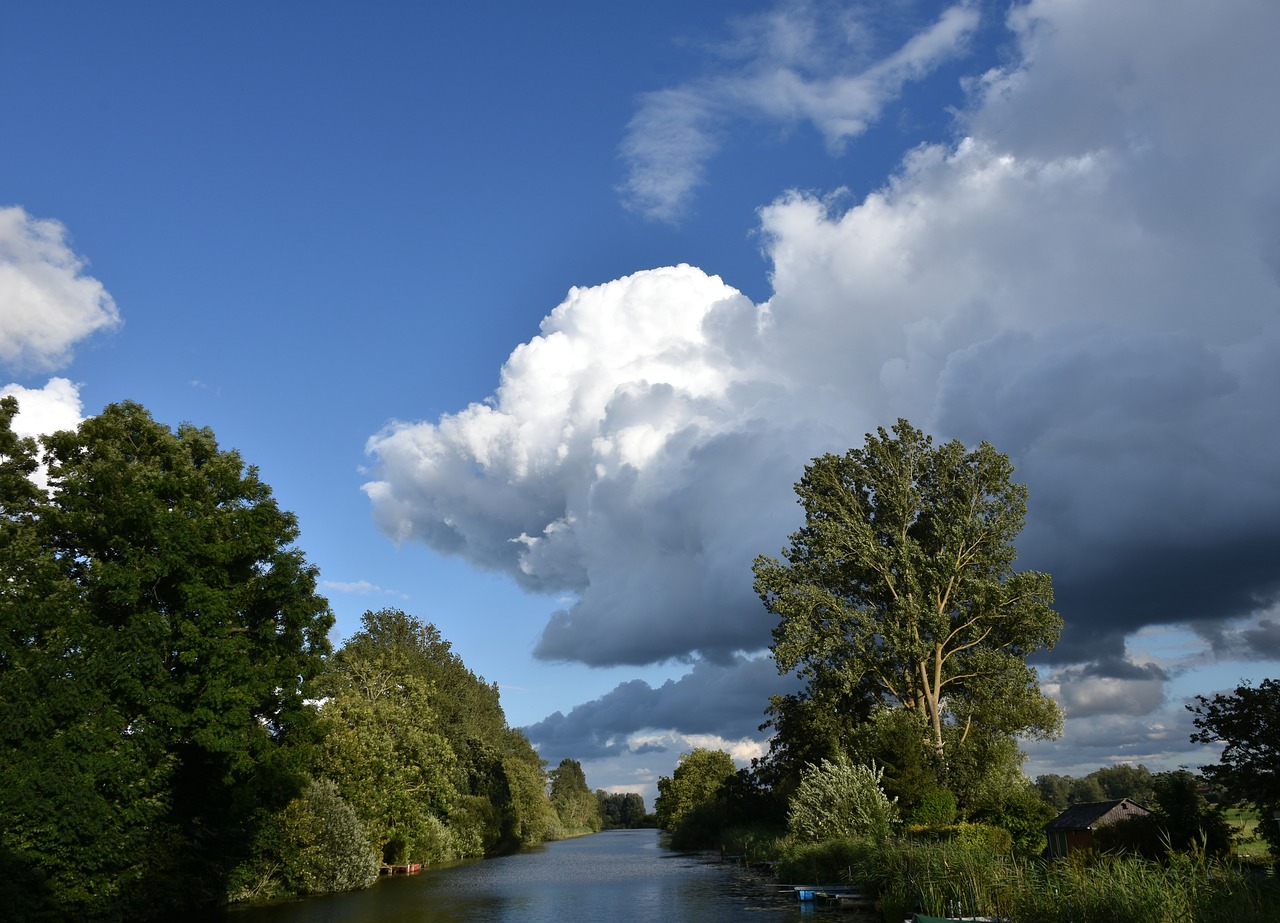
column 621, row 875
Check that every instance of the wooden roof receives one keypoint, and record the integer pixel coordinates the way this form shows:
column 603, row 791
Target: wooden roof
column 1091, row 814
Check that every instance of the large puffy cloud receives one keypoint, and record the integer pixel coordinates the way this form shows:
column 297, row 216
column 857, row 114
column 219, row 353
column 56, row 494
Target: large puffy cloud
column 619, row 461
column 48, row 303
column 1087, row 278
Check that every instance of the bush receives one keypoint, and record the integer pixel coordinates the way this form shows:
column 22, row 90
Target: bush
column 974, row 837
column 822, row 862
column 936, row 808
column 315, row 845
column 840, row 800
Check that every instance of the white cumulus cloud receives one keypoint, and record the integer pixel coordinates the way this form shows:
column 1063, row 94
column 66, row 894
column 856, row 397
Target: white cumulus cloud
column 50, row 409
column 47, row 302
column 1087, row 278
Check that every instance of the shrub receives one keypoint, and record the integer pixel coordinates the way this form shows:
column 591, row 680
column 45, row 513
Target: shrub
column 936, row 808
column 839, row 800
column 830, row 861
column 315, row 845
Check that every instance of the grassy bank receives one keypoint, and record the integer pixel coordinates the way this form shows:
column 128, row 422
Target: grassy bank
column 948, row 878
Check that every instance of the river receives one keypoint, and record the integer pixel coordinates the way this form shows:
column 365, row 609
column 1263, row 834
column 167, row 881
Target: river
column 618, row 875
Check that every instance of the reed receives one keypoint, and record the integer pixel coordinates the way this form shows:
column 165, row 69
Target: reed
column 951, row 879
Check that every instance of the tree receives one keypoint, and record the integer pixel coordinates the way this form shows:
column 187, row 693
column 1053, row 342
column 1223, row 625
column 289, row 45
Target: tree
column 698, row 777
column 900, row 588
column 315, row 845
column 1247, row 722
column 383, row 746
column 1181, row 821
column 160, row 634
column 621, row 809
column 574, row 802
column 420, row 747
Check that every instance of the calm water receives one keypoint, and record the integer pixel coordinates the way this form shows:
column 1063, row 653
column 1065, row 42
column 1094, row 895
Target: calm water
column 619, row 875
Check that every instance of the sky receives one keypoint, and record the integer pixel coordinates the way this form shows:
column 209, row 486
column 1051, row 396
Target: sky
column 534, row 313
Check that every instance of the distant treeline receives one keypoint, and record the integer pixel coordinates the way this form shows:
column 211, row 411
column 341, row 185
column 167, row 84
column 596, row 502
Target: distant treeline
column 177, row 732
column 623, row 810
column 1106, row 784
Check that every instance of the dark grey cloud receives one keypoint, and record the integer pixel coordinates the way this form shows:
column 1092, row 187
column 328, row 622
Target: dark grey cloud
column 1255, row 640
column 725, row 701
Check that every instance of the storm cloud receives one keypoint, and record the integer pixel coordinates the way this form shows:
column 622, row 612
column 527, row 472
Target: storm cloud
column 1086, row 275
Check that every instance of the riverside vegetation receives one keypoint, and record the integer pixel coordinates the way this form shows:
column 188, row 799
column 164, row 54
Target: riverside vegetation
column 897, row 767
column 177, row 732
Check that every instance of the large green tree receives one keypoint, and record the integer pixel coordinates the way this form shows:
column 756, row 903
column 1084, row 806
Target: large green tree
column 900, row 589
column 419, row 745
column 575, row 804
column 160, row 628
column 1247, row 723
column 693, row 788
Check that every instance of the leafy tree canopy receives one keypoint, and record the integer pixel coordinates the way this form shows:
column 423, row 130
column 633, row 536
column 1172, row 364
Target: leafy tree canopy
column 159, row 630
column 621, row 809
column 1247, row 722
column 420, row 747
column 575, row 804
column 696, row 781
column 841, row 799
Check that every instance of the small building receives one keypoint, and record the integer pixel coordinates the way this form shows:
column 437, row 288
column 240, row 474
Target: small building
column 1073, row 829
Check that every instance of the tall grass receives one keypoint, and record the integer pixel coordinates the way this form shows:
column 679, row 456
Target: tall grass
column 950, row 879
column 1130, row 890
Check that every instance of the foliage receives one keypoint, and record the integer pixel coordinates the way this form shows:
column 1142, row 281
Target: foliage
column 896, row 739
column 1108, row 783
column 159, row 632
column 1247, row 721
column 1022, row 813
column 808, row 729
column 527, row 815
column 900, row 589
column 315, row 845
column 826, row 861
column 977, row 837
column 694, row 786
column 947, row 879
column 942, row 878
column 621, row 809
column 421, row 749
column 1119, row 889
column 840, row 799
column 574, row 803
column 1181, row 821
column 936, row 808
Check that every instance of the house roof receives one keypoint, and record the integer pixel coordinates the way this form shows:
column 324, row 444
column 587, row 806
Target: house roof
column 1091, row 814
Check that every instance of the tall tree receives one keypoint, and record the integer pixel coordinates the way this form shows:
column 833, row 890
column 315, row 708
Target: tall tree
column 1247, row 722
column 697, row 780
column 420, row 746
column 900, row 588
column 167, row 628
column 574, row 802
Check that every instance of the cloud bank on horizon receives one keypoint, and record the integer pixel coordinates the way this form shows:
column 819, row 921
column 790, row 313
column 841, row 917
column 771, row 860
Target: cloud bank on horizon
column 1085, row 275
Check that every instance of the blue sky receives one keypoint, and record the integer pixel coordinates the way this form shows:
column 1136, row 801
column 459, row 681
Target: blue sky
column 533, row 314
